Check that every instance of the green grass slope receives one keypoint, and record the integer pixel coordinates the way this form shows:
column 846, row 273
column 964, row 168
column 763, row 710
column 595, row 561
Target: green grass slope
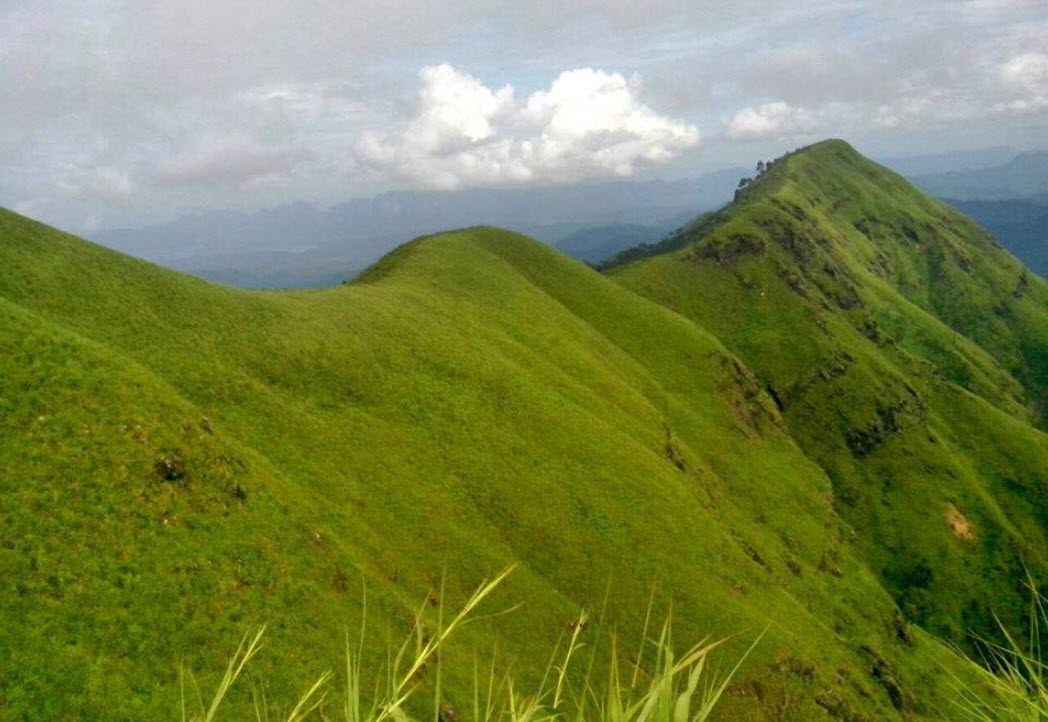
column 181, row 461
column 907, row 352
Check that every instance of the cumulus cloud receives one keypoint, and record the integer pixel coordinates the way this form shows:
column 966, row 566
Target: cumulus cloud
column 140, row 88
column 770, row 120
column 587, row 124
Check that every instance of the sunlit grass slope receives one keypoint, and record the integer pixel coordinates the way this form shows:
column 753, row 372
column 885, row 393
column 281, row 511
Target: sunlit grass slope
column 181, row 462
column 907, row 351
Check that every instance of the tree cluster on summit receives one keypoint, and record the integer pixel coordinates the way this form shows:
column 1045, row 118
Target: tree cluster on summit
column 762, row 168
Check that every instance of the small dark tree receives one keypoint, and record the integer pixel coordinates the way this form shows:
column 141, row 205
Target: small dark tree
column 760, row 167
column 743, row 182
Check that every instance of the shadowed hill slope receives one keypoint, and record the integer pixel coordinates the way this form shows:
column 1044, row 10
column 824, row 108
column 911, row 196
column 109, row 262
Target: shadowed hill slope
column 181, row 461
column 908, row 354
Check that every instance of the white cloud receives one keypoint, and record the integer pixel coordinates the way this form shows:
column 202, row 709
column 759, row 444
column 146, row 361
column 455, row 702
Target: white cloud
column 587, row 124
column 994, row 8
column 222, row 161
column 142, row 87
column 1025, row 79
column 103, row 183
column 901, row 112
column 771, row 120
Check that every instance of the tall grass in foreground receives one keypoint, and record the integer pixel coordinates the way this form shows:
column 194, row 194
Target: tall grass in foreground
column 673, row 689
column 1018, row 690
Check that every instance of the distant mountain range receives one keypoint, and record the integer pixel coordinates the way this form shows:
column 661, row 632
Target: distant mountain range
column 300, row 245
column 949, row 162
column 598, row 243
column 1025, row 175
column 1020, row 224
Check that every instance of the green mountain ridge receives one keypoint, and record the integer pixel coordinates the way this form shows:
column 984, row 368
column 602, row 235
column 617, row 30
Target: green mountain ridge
column 181, row 461
column 919, row 381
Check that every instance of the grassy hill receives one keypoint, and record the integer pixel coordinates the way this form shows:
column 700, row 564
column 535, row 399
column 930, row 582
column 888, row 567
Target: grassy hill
column 181, row 461
column 907, row 353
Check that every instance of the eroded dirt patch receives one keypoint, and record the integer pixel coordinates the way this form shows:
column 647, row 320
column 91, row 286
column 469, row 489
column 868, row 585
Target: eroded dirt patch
column 959, row 523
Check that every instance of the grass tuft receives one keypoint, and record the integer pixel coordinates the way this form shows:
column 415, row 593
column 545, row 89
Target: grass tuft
column 1012, row 683
column 677, row 689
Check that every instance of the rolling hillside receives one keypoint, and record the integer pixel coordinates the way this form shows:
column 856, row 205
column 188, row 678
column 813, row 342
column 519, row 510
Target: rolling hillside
column 831, row 432
column 907, row 352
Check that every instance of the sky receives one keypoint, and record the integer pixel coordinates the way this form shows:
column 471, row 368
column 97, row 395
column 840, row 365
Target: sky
column 123, row 112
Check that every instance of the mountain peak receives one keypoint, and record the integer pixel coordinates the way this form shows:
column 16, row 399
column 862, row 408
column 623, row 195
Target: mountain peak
column 818, row 159
column 829, row 150
column 828, row 172
column 834, row 145
column 838, row 234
